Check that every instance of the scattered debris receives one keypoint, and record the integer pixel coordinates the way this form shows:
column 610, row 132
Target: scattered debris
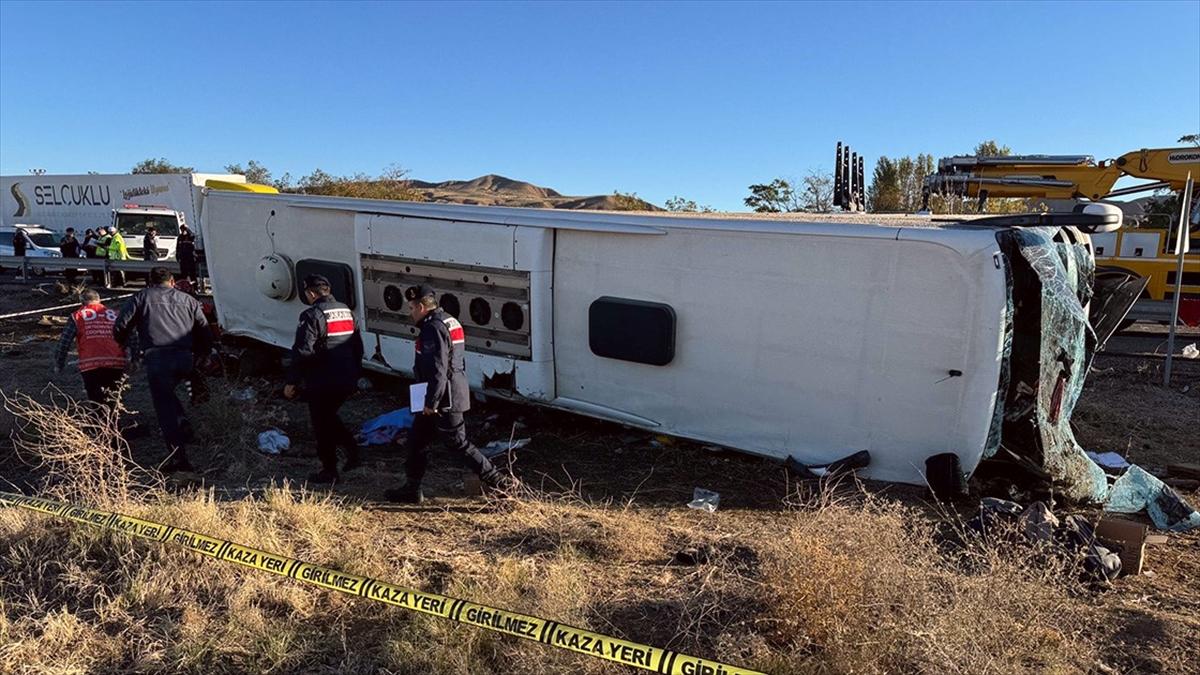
column 1109, row 460
column 1136, row 490
column 273, row 442
column 48, row 320
column 1191, row 352
column 1073, row 535
column 386, row 428
column 858, row 460
column 243, row 394
column 500, row 447
column 1128, row 539
column 697, row 554
column 704, row 500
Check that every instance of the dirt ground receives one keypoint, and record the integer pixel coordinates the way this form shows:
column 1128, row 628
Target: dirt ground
column 1151, row 621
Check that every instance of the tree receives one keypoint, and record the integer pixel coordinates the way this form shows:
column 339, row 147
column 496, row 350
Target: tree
column 885, row 193
column 992, row 149
column 681, row 205
column 392, row 184
column 160, row 165
column 1194, row 139
column 628, row 201
column 817, row 193
column 773, row 197
column 254, row 173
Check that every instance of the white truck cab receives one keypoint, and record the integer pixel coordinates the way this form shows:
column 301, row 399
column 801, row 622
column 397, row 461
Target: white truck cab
column 133, row 220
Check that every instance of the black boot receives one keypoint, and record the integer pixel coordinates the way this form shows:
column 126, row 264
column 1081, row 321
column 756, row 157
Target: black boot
column 497, row 483
column 410, row 493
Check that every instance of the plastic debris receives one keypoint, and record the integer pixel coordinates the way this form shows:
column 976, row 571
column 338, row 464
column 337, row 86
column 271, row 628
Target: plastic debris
column 704, row 500
column 1191, row 352
column 500, row 447
column 1137, row 490
column 386, row 428
column 273, row 442
column 1001, row 520
column 1109, row 460
column 245, row 394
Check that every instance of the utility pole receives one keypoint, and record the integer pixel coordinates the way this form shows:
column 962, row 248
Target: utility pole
column 1182, row 243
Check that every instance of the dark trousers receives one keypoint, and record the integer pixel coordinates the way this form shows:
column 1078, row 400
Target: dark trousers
column 116, row 277
column 101, row 384
column 187, row 267
column 425, row 427
column 97, row 275
column 331, row 434
column 165, row 369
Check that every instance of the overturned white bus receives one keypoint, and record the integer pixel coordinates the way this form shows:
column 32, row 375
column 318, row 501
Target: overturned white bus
column 784, row 338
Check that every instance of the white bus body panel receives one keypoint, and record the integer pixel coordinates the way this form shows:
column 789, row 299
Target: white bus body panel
column 813, row 340
column 809, row 345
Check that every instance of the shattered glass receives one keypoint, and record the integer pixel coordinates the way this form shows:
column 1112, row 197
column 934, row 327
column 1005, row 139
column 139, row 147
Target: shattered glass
column 1066, row 349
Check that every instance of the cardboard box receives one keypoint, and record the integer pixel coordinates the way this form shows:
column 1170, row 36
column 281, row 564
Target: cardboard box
column 1128, row 539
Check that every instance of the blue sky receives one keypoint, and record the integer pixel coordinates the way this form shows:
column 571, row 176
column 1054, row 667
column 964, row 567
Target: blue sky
column 698, row 100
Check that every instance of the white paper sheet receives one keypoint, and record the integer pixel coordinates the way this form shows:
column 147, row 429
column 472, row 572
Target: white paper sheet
column 416, row 397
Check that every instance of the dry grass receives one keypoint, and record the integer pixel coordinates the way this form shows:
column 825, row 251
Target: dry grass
column 872, row 586
column 839, row 581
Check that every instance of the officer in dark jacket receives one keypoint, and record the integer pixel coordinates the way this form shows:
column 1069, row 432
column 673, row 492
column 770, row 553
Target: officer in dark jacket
column 173, row 334
column 326, row 357
column 441, row 364
column 185, row 253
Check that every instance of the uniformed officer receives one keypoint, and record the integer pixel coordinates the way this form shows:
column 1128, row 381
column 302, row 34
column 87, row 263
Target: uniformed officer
column 116, row 250
column 326, row 357
column 440, row 363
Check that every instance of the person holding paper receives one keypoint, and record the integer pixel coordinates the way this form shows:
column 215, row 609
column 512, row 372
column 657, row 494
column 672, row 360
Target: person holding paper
column 440, row 366
column 326, row 357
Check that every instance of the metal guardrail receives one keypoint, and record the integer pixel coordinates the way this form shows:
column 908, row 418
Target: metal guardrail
column 27, row 265
column 105, row 264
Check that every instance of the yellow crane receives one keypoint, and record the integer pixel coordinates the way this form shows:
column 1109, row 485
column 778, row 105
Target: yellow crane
column 1146, row 252
column 1062, row 176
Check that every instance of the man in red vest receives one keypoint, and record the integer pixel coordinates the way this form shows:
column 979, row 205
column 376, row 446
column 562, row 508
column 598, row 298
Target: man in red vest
column 101, row 359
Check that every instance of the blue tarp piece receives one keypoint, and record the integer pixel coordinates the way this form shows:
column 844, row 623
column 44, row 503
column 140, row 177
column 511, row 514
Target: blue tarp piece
column 1137, row 490
column 386, row 428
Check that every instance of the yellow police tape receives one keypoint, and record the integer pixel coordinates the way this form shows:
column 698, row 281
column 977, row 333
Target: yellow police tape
column 534, row 628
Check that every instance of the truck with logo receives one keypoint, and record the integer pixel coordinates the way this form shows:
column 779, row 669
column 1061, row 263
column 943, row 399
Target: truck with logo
column 131, row 202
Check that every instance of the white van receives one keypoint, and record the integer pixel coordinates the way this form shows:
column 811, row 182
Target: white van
column 43, row 244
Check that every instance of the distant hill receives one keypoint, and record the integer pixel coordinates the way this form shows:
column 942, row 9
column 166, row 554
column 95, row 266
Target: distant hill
column 493, row 190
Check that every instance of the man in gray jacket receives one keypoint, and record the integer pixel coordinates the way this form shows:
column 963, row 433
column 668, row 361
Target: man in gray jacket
column 441, row 364
column 172, row 333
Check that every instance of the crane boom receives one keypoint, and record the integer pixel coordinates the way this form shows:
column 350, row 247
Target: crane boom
column 1060, row 176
